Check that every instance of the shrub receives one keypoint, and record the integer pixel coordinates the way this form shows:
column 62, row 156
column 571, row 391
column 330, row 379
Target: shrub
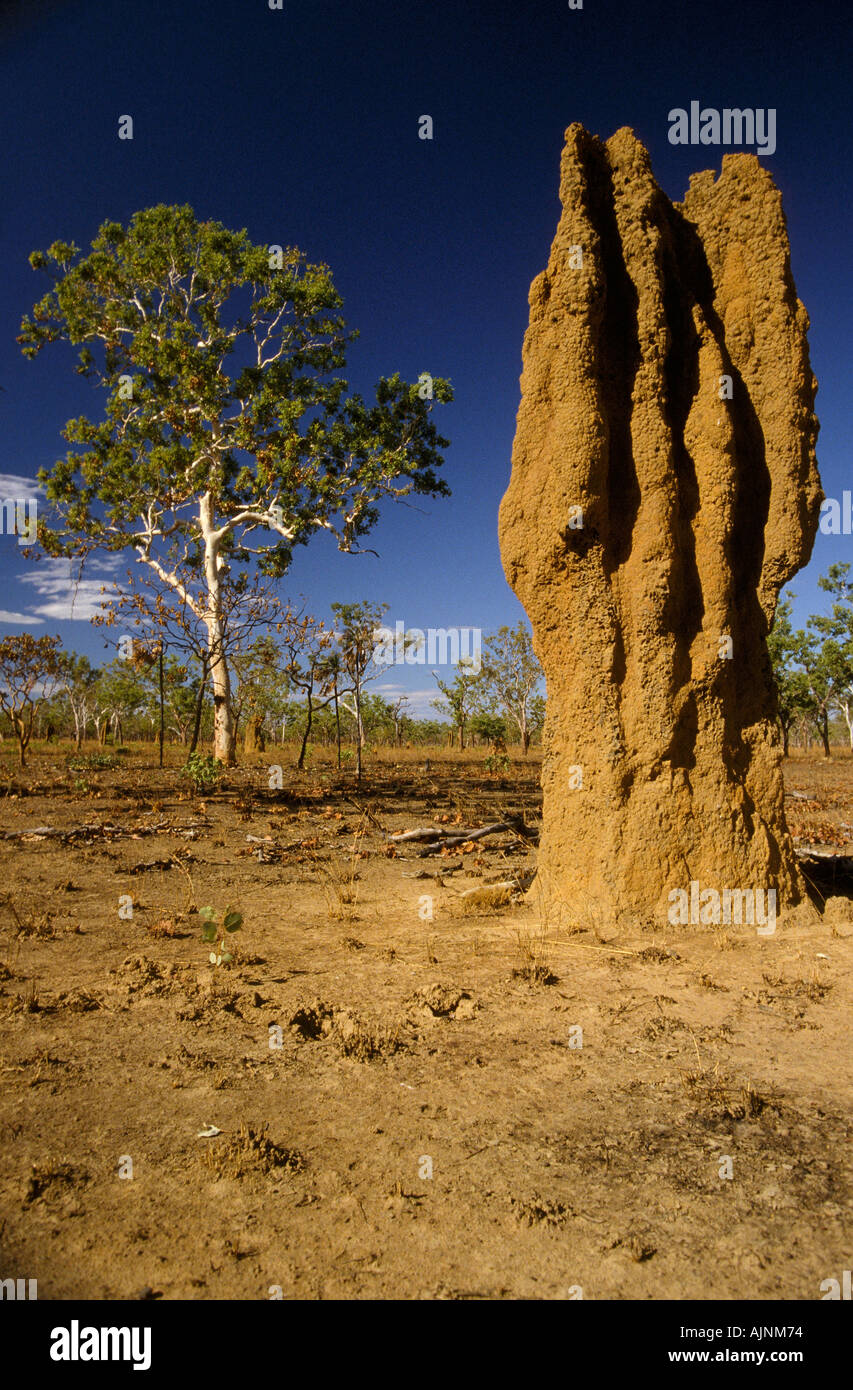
column 203, row 770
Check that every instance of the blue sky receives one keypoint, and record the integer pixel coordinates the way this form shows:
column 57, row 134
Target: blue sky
column 302, row 126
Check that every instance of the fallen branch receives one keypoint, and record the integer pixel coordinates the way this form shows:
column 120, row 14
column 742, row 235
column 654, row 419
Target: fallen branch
column 147, row 864
column 104, row 830
column 429, row 832
column 464, row 838
column 455, row 836
column 506, row 885
column 438, row 873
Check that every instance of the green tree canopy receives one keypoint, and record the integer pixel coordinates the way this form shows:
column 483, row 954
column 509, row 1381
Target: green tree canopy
column 31, row 671
column 227, row 434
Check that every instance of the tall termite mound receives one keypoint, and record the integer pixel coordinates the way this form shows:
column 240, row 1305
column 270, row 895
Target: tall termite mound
column 664, row 487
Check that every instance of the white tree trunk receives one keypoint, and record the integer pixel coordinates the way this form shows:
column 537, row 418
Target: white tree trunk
column 224, row 732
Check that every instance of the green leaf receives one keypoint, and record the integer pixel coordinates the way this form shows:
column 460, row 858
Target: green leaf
column 208, row 931
column 208, row 913
column 232, row 921
column 226, row 955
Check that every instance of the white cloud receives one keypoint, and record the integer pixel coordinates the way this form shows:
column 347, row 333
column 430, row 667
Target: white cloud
column 419, row 706
column 14, row 485
column 390, row 692
column 19, row 619
column 67, row 597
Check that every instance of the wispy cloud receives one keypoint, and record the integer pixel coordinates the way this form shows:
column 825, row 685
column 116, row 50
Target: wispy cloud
column 419, row 700
column 19, row 619
column 66, row 596
column 15, row 485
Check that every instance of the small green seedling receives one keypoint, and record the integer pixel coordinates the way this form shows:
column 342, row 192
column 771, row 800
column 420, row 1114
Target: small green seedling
column 497, row 762
column 232, row 921
column 203, row 771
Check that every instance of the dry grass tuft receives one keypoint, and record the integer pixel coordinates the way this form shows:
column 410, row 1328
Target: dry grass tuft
column 341, row 879
column 721, row 1099
column 363, row 1038
column 532, row 946
column 250, row 1151
column 163, row 927
column 487, row 897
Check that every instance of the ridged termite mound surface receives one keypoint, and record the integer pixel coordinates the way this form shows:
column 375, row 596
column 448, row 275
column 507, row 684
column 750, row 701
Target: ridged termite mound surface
column 664, row 487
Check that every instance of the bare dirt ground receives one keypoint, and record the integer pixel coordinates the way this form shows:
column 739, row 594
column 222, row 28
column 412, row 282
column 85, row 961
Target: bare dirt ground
column 354, row 1046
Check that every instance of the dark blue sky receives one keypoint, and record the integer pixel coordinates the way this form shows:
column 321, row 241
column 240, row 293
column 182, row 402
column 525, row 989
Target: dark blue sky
column 302, row 126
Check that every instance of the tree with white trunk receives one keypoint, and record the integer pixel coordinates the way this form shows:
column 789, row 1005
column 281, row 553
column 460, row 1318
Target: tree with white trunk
column 80, row 687
column 227, row 436
column 358, row 638
column 512, row 675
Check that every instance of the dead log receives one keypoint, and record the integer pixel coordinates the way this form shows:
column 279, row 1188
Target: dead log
column 466, row 837
column 453, row 835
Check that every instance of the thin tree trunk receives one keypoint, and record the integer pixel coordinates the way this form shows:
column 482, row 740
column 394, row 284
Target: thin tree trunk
column 162, row 712
column 359, row 733
column 21, row 731
column 301, row 759
column 199, row 705
column 337, row 724
column 224, row 732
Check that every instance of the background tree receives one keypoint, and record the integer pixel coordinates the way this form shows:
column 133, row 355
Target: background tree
column 461, row 696
column 427, row 732
column 401, row 718
column 837, row 628
column 196, row 470
column 824, row 673
column 537, row 715
column 356, row 629
column 249, row 609
column 52, row 718
column 181, row 696
column 377, row 719
column 79, row 685
column 307, row 647
column 122, row 692
column 489, row 727
column 792, row 689
column 31, row 670
column 331, row 676
column 511, row 672
column 261, row 689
